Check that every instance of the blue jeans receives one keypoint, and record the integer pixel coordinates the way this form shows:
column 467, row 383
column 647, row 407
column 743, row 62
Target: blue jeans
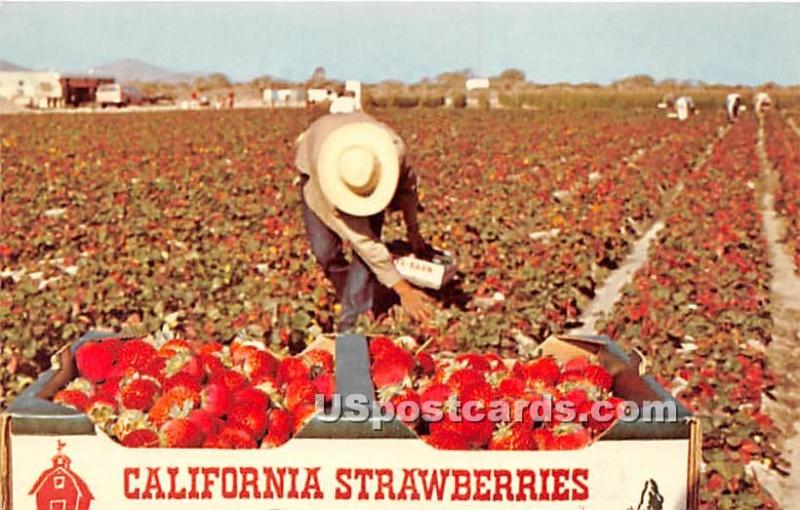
column 356, row 286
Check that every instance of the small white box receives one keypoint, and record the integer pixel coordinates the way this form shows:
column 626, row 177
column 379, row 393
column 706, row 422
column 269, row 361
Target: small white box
column 423, row 273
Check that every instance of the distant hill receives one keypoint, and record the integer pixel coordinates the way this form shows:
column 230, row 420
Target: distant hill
column 8, row 66
column 132, row 70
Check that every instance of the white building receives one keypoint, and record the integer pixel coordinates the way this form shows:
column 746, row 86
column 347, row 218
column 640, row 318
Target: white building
column 38, row 89
column 354, row 86
column 285, row 98
column 320, row 95
column 477, row 84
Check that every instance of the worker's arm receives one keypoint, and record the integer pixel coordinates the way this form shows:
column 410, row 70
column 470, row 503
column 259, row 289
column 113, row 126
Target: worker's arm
column 407, row 201
column 376, row 255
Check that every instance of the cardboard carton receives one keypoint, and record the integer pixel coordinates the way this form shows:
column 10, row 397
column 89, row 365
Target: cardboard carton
column 54, row 458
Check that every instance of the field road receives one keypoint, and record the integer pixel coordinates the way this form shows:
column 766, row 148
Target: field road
column 783, row 351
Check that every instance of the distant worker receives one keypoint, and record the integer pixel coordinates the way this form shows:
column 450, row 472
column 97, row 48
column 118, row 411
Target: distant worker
column 684, row 106
column 667, row 102
column 353, row 169
column 761, row 103
column 733, row 102
column 231, row 97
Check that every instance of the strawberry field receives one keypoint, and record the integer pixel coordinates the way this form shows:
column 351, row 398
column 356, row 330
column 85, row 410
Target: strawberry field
column 193, row 219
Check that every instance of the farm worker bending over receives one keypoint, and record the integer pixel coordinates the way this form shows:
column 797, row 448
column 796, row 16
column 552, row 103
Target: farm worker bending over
column 684, row 106
column 352, row 169
column 732, row 104
column 761, row 102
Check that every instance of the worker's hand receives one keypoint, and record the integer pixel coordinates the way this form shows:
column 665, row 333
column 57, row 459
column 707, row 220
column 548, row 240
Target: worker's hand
column 416, row 303
column 420, row 248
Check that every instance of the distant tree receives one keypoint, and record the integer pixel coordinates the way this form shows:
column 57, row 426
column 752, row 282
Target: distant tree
column 262, row 82
column 318, row 77
column 512, row 76
column 668, row 83
column 636, row 81
column 453, row 78
column 212, row 81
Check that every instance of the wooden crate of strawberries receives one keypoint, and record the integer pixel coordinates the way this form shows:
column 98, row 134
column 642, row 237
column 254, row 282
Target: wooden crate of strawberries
column 355, row 424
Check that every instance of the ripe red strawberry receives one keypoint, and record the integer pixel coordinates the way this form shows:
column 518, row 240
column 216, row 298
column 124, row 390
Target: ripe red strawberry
column 319, row 361
column 476, row 362
column 173, row 347
column 388, row 373
column 577, row 364
column 591, row 374
column 325, row 384
column 72, row 398
column 94, row 361
column 209, row 348
column 437, row 393
column 70, row 395
column 514, row 436
column 184, row 362
column 278, row 423
column 239, row 351
column 212, row 365
column 496, row 363
column 181, row 433
column 252, row 396
column 270, row 386
column 205, row 421
column 510, row 389
column 100, row 403
column 299, row 392
column 216, row 399
column 231, row 379
column 290, row 369
column 176, row 402
column 380, row 346
column 403, row 402
column 257, row 365
column 564, row 436
column 230, row 438
column 477, row 434
column 426, row 364
column 578, row 397
column 114, row 345
column 250, row 418
column 182, row 379
column 443, row 440
column 463, row 378
column 543, row 370
column 154, row 368
column 140, row 438
column 110, row 387
column 138, row 394
column 136, row 354
column 598, row 426
column 480, row 392
column 300, row 415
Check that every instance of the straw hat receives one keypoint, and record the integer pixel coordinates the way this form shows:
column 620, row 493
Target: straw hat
column 358, row 168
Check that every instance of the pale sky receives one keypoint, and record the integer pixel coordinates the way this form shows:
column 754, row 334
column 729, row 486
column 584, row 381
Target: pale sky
column 731, row 43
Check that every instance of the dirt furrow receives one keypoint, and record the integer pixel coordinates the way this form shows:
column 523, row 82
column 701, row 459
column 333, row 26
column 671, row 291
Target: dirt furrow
column 782, row 352
column 609, row 293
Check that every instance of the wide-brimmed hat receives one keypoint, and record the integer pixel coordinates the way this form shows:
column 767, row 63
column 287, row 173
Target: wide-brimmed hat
column 358, row 168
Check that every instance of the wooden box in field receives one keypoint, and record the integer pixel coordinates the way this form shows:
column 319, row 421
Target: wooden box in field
column 55, row 458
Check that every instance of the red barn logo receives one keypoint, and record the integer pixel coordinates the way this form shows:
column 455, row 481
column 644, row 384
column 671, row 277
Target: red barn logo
column 58, row 488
